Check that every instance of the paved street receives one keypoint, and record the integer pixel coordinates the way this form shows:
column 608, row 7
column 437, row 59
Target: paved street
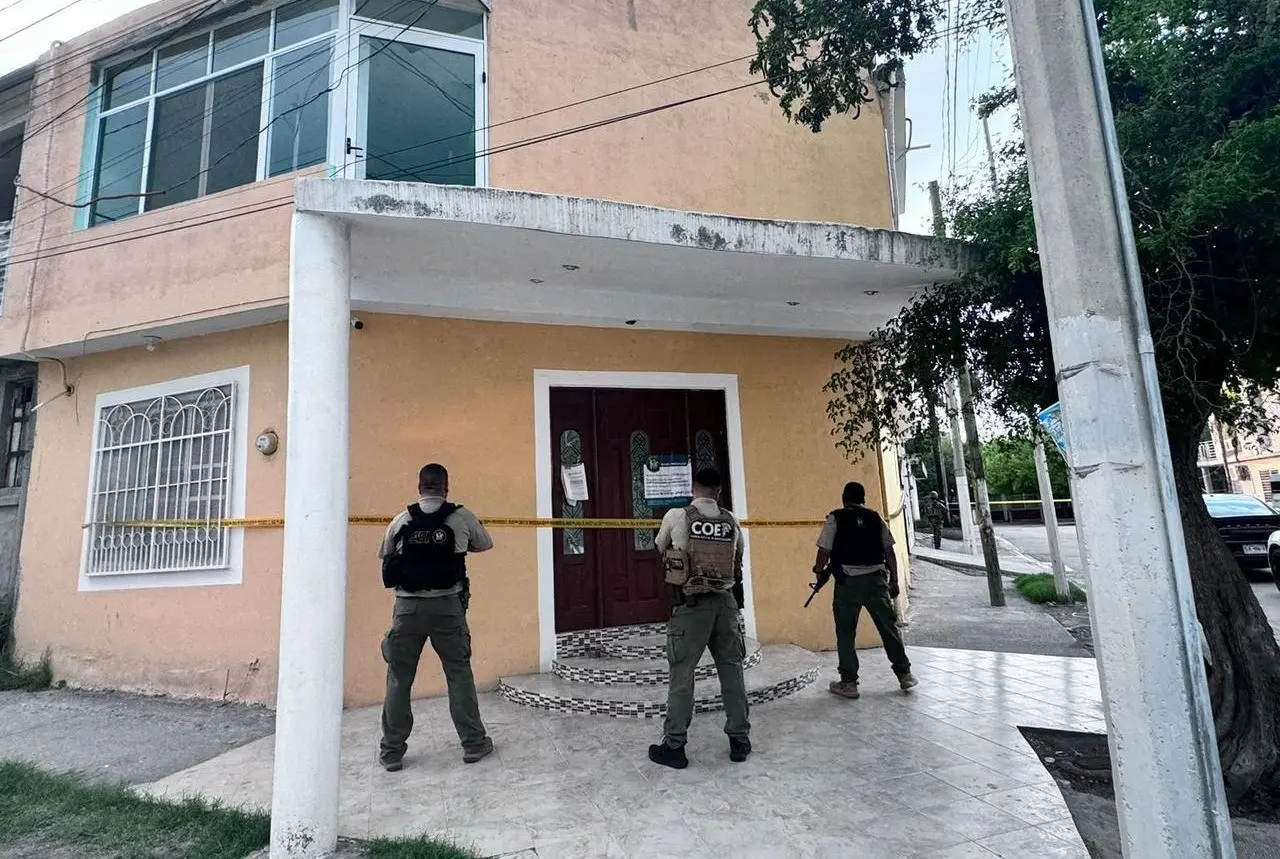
column 1032, row 540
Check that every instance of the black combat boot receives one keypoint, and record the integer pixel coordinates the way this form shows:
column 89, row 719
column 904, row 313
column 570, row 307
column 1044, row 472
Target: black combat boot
column 661, row 753
column 739, row 749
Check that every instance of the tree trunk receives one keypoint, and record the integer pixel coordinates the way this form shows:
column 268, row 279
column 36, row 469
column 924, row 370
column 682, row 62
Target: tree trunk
column 1244, row 677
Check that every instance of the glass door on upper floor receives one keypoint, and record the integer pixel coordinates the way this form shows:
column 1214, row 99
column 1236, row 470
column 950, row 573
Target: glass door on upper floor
column 418, row 112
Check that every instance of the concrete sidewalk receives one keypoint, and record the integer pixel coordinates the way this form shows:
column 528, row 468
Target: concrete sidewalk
column 953, row 609
column 941, row 773
column 1013, row 561
column 117, row 738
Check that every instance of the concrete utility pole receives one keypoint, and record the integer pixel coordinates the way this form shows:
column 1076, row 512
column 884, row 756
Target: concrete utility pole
column 962, row 473
column 973, row 443
column 1168, row 778
column 991, row 154
column 935, row 200
column 986, row 529
column 1050, row 514
column 935, row 433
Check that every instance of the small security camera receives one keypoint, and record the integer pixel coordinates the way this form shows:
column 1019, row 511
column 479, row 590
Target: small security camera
column 357, row 324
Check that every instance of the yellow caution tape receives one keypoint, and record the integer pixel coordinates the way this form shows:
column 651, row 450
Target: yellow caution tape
column 383, row 521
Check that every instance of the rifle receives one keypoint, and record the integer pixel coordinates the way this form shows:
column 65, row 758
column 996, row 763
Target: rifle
column 823, row 578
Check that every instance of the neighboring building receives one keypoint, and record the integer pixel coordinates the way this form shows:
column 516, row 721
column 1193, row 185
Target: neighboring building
column 507, row 334
column 1243, row 464
column 17, row 377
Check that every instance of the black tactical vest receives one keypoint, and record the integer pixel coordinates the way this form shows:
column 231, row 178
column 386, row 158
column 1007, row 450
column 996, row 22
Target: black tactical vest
column 859, row 538
column 426, row 558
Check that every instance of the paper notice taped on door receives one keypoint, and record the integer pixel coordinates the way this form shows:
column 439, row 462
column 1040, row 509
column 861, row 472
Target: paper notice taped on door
column 668, row 477
column 574, row 480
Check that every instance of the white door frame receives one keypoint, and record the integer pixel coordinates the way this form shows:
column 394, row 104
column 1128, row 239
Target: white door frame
column 543, row 382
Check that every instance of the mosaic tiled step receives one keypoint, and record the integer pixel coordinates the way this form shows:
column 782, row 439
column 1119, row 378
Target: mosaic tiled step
column 783, row 670
column 652, row 646
column 590, row 642
column 605, row 670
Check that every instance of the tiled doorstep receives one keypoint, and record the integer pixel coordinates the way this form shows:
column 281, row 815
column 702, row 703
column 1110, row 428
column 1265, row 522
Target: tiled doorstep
column 886, row 777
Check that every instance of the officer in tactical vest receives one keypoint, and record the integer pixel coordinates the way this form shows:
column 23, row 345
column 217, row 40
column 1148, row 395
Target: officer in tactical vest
column 424, row 557
column 934, row 513
column 856, row 548
column 701, row 549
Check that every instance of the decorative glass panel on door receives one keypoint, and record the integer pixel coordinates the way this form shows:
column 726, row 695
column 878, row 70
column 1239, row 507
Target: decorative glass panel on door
column 419, row 108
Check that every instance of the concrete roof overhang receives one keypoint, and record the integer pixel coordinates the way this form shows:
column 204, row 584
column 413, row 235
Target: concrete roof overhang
column 491, row 254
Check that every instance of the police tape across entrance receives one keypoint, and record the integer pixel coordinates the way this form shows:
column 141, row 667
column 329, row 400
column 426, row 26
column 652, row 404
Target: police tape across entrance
column 383, row 521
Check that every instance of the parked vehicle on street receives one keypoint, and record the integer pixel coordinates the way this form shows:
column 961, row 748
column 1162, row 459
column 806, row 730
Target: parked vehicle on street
column 1246, row 524
column 1273, row 556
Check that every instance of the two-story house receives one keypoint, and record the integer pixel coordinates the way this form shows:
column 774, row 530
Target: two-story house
column 275, row 256
column 17, row 377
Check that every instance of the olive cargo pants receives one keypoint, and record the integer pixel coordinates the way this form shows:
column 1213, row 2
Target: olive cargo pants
column 870, row 591
column 443, row 622
column 705, row 620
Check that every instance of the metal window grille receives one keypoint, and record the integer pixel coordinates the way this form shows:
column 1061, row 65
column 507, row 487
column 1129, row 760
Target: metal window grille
column 162, row 459
column 20, row 398
column 6, row 228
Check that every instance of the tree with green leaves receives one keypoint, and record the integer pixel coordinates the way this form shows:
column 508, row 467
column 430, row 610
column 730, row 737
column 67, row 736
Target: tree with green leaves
column 1011, row 468
column 1195, row 88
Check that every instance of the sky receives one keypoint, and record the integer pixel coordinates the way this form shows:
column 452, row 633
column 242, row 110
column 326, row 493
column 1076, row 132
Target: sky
column 941, row 87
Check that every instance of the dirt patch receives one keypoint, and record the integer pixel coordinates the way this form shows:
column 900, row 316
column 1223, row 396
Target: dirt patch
column 1081, row 767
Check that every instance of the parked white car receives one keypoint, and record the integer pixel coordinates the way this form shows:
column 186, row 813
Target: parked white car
column 1273, row 556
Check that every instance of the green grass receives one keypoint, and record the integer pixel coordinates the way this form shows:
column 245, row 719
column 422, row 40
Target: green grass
column 41, row 810
column 1039, row 588
column 28, row 677
column 101, row 820
column 412, row 848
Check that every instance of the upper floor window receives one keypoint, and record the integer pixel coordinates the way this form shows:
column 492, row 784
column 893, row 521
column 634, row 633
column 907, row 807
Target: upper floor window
column 253, row 98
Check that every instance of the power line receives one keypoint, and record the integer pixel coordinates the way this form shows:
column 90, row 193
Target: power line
column 38, row 21
column 145, row 232
column 163, row 40
column 93, row 242
column 387, row 155
column 123, row 157
column 570, row 105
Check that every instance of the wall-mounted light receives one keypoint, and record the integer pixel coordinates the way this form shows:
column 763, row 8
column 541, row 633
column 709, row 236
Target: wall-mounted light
column 150, row 341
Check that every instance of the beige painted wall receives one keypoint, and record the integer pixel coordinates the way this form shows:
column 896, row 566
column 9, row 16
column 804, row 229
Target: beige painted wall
column 734, row 154
column 477, row 417
column 185, row 641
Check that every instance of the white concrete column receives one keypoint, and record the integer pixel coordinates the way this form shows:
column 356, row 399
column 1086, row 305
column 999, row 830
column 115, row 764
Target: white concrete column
column 304, row 807
column 1164, row 751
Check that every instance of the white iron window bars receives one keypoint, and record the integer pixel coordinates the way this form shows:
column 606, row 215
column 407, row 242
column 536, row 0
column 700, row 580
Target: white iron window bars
column 163, row 459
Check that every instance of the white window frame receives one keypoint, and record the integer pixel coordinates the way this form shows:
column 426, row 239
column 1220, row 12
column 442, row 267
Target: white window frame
column 344, row 120
column 357, row 125
column 233, row 572
column 268, row 62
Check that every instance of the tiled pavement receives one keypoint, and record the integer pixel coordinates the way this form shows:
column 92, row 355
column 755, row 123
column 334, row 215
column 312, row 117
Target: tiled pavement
column 941, row 772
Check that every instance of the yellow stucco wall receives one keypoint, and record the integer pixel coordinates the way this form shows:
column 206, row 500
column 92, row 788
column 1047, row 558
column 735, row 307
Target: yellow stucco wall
column 475, row 414
column 734, row 154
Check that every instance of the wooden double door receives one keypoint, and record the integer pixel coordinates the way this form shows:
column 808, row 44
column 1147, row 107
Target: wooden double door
column 613, row 577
